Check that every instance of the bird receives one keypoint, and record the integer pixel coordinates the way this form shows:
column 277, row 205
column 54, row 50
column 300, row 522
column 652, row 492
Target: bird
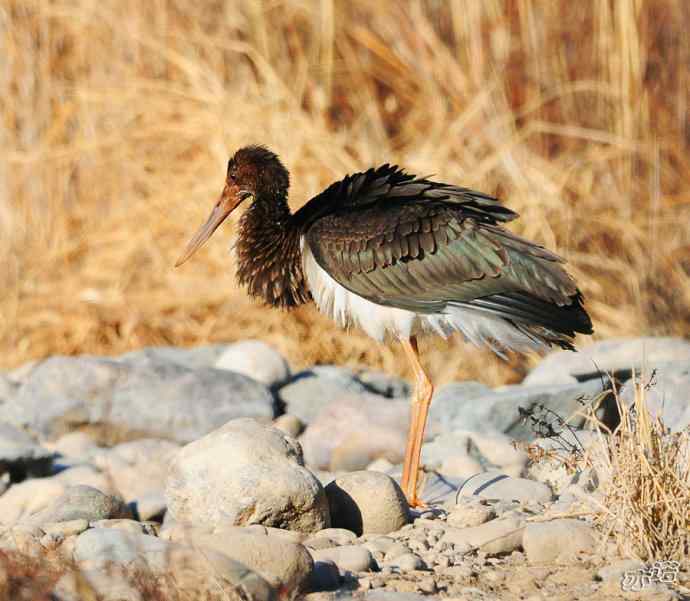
column 398, row 256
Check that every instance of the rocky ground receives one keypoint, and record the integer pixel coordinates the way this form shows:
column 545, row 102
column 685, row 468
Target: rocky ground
column 218, row 473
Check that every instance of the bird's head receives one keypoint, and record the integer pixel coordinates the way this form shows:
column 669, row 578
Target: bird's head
column 253, row 172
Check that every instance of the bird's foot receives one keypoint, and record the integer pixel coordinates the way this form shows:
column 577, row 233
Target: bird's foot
column 416, row 503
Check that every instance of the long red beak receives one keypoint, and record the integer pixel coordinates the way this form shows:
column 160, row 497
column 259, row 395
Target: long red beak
column 231, row 197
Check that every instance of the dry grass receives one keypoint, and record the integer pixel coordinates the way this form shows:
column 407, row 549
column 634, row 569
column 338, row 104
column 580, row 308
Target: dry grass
column 646, row 484
column 116, row 119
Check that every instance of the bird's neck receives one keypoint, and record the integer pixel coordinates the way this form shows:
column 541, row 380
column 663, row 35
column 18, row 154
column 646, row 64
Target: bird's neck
column 269, row 257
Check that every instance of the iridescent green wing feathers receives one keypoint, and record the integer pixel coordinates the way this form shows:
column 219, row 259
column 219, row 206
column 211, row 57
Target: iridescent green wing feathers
column 421, row 245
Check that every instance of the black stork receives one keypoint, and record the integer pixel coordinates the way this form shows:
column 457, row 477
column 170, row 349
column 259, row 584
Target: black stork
column 398, row 256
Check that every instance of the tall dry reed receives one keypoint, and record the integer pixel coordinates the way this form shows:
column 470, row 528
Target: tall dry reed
column 116, row 119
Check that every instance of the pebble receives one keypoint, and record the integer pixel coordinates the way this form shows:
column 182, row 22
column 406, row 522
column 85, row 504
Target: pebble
column 495, row 485
column 558, row 540
column 459, row 572
column 367, row 503
column 407, row 562
column 82, row 503
column 28, row 497
column 290, row 424
column 76, row 445
column 495, row 537
column 339, row 536
column 470, row 512
column 352, row 558
column 616, row 569
column 380, row 544
column 245, row 473
column 396, row 550
column 255, row 359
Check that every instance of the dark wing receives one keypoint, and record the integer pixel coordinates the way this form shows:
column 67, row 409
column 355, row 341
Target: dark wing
column 421, row 245
column 388, row 185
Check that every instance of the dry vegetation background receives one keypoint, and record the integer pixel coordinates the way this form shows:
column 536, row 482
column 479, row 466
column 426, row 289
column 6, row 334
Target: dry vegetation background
column 117, row 118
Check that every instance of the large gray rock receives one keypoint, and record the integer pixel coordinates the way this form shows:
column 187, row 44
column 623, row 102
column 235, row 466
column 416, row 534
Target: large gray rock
column 449, row 402
column 21, row 456
column 18, row 375
column 499, row 411
column 129, row 400
column 355, row 429
column 613, row 355
column 388, row 385
column 7, row 387
column 367, row 503
column 464, row 453
column 667, row 394
column 255, row 359
column 198, row 357
column 309, row 392
column 114, row 562
column 245, row 473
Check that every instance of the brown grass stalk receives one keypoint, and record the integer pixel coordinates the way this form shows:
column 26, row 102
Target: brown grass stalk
column 645, row 472
column 116, row 120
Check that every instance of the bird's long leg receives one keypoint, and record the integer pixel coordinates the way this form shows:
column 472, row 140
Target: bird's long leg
column 421, row 401
column 409, row 449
